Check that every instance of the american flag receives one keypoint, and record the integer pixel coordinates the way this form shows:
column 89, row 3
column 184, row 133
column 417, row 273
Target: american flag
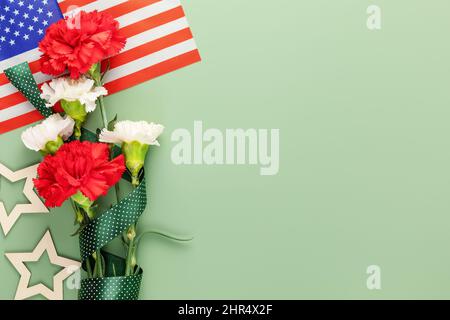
column 159, row 41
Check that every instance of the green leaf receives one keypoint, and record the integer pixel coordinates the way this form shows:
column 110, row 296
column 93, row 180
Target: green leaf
column 95, row 73
column 108, row 67
column 112, row 124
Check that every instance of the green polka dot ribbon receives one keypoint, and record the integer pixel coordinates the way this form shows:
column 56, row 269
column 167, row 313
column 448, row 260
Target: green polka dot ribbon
column 111, row 288
column 22, row 78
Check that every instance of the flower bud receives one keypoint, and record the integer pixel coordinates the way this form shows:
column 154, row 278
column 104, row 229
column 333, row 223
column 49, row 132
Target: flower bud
column 84, row 203
column 131, row 233
column 95, row 72
column 79, row 217
column 77, row 112
column 52, row 146
column 135, row 153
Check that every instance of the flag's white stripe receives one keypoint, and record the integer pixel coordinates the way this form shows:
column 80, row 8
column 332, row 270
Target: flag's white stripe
column 16, row 111
column 147, row 12
column 132, row 42
column 99, row 5
column 156, row 33
column 150, row 60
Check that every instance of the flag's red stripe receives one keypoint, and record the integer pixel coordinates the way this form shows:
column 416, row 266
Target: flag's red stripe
column 151, row 47
column 153, row 71
column 11, row 100
column 152, row 22
column 67, row 3
column 129, row 6
column 115, row 11
column 35, row 66
column 20, row 121
column 3, row 79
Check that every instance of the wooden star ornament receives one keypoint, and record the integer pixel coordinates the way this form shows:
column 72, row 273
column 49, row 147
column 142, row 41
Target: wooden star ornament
column 46, row 244
column 35, row 206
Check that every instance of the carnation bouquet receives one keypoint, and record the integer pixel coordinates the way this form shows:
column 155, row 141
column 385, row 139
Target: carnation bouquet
column 80, row 166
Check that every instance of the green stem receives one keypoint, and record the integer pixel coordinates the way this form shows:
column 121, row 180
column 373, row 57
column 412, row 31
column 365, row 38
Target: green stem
column 101, row 104
column 88, row 262
column 98, row 267
column 77, row 133
column 131, row 254
column 97, row 77
column 98, row 264
column 135, row 181
column 89, row 268
column 130, row 264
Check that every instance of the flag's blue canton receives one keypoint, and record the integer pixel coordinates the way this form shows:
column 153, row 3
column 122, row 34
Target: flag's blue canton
column 23, row 24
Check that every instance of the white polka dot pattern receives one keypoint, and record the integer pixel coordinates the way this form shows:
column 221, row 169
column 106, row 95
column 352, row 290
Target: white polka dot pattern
column 113, row 222
column 111, row 288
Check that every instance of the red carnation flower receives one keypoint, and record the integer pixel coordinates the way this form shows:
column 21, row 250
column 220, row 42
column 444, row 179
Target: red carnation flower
column 78, row 166
column 78, row 42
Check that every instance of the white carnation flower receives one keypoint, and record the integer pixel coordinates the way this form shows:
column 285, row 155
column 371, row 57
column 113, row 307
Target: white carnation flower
column 135, row 138
column 68, row 89
column 52, row 128
column 129, row 131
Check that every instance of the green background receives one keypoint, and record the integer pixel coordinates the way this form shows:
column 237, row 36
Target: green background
column 364, row 157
